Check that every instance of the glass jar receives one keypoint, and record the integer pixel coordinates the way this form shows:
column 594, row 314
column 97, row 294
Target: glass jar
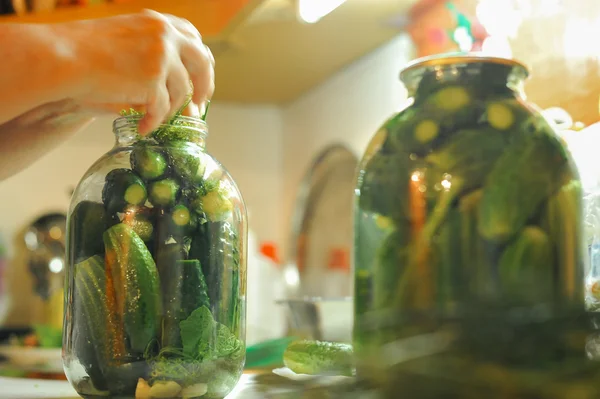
column 156, row 255
column 468, row 246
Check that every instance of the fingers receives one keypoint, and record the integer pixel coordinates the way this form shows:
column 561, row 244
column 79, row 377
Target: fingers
column 197, row 62
column 157, row 111
column 196, row 57
column 184, row 26
column 191, row 110
column 178, row 86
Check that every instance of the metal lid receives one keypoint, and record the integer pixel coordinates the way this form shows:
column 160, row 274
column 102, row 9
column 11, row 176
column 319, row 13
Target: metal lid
column 457, row 59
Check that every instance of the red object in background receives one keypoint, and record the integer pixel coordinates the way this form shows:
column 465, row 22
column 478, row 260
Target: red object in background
column 429, row 24
column 438, row 36
column 269, row 249
column 339, row 259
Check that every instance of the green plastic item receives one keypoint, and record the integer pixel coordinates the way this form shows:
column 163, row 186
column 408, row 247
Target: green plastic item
column 268, row 353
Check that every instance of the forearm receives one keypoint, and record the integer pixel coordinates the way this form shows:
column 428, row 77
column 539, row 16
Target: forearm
column 25, row 139
column 39, row 65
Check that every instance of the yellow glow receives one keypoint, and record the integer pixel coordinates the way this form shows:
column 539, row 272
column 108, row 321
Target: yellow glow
column 311, row 11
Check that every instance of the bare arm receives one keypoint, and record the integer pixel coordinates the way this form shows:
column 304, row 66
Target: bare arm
column 25, row 139
column 55, row 78
column 38, row 66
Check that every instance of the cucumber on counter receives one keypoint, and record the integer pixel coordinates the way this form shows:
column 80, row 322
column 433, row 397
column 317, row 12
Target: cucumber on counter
column 319, row 357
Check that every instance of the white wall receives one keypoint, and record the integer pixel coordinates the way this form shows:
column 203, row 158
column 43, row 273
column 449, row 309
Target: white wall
column 348, row 108
column 247, row 140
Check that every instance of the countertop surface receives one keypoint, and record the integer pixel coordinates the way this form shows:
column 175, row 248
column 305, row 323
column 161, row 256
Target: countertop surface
column 23, row 388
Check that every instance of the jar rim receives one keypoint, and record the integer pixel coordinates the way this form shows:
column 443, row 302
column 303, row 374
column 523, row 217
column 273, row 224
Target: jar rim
column 446, row 59
column 191, row 122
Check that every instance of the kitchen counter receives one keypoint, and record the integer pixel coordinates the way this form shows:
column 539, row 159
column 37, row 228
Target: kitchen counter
column 22, row 388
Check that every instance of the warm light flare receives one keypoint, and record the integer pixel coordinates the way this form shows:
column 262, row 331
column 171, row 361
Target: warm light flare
column 311, row 11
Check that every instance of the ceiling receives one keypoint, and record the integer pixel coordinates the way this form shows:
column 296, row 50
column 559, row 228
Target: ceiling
column 272, row 57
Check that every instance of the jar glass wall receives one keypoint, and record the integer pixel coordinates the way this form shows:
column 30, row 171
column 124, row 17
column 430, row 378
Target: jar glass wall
column 156, row 252
column 468, row 247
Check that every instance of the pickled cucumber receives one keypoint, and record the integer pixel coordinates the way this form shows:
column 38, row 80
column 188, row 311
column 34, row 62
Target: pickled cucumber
column 420, row 130
column 533, row 166
column 561, row 212
column 383, row 173
column 526, row 269
column 459, row 169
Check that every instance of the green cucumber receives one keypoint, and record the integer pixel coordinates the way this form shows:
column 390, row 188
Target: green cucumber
column 525, row 269
column 140, row 219
column 384, row 173
column 532, row 168
column 418, row 130
column 476, row 268
column 87, row 224
column 561, row 219
column 213, row 201
column 216, row 246
column 136, row 285
column 388, row 269
column 123, row 188
column 195, row 290
column 164, row 192
column 184, row 160
column 148, row 162
column 318, row 357
column 458, row 169
column 95, row 328
column 183, row 220
column 449, row 263
column 184, row 290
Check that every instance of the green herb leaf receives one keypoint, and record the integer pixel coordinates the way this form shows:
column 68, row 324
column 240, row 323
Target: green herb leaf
column 197, row 332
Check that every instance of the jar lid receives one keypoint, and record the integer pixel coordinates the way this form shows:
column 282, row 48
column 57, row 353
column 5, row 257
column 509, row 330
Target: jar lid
column 457, row 59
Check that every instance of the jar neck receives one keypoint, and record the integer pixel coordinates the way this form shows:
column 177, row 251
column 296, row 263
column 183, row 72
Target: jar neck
column 488, row 78
column 180, row 129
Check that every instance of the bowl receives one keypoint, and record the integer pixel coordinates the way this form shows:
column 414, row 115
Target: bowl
column 323, row 319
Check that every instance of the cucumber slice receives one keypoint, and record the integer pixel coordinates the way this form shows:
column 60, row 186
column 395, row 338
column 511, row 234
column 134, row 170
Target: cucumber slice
column 135, row 194
column 164, row 192
column 180, row 216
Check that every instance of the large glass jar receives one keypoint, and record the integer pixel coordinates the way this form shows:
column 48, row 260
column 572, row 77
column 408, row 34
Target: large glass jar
column 468, row 246
column 155, row 287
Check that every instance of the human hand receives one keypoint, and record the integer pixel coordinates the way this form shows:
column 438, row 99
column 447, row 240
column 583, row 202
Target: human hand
column 143, row 61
